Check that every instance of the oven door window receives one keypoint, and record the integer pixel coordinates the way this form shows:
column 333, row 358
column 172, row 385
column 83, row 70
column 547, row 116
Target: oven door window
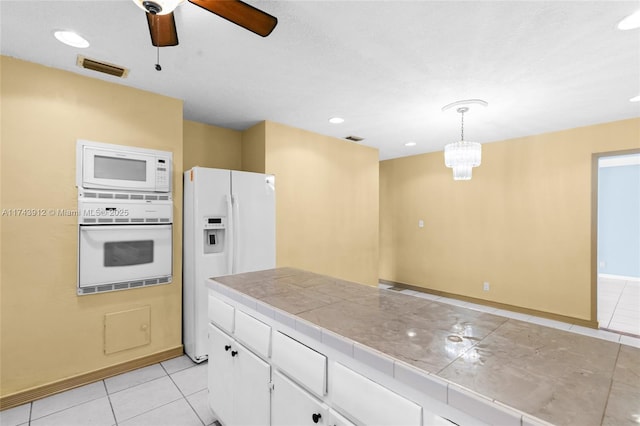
column 127, row 253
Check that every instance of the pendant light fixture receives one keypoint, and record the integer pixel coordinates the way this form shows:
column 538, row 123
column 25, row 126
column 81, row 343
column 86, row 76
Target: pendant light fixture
column 463, row 156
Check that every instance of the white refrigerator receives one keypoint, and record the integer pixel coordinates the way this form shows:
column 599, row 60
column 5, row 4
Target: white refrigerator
column 229, row 228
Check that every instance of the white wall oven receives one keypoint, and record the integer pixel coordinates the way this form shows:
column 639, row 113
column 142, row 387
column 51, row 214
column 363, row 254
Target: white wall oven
column 124, row 235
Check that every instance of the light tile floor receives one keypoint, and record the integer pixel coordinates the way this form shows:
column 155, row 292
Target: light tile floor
column 619, row 305
column 173, row 393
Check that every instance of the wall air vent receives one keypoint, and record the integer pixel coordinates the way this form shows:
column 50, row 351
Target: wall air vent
column 103, row 67
column 354, row 138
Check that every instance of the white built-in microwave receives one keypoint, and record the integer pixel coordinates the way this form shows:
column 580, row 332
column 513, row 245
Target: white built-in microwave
column 121, row 168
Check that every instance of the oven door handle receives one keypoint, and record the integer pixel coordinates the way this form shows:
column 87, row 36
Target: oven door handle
column 150, row 227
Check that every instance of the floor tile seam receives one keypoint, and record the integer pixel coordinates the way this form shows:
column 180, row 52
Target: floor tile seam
column 115, row 419
column 592, row 332
column 181, row 369
column 148, row 411
column 137, row 384
column 604, row 411
column 617, row 303
column 66, row 408
column 193, row 408
column 178, row 387
column 629, row 313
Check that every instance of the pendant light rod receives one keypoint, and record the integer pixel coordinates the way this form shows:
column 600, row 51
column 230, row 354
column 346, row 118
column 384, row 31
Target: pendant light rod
column 462, row 110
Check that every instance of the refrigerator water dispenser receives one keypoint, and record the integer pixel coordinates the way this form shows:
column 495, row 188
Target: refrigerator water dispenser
column 214, row 234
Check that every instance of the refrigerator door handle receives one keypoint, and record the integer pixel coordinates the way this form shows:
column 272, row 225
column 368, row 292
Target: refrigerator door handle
column 230, row 232
column 236, row 231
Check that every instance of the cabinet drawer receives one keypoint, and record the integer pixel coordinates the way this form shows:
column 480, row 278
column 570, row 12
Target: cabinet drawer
column 293, row 406
column 370, row 403
column 301, row 363
column 336, row 419
column 253, row 333
column 221, row 313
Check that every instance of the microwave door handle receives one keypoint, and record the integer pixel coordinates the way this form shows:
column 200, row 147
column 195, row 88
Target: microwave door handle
column 230, row 230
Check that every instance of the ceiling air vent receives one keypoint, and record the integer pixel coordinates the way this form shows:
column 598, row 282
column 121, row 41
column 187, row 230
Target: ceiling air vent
column 102, row 67
column 354, row 138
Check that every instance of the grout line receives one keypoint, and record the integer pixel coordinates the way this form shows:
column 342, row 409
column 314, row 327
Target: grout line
column 194, row 410
column 604, row 411
column 183, row 395
column 115, row 419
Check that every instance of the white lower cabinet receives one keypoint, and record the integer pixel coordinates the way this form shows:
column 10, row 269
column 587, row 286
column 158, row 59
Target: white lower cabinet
column 293, row 406
column 239, row 382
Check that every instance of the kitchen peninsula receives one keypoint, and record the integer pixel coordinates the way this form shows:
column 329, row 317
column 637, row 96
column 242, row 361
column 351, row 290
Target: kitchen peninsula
column 356, row 354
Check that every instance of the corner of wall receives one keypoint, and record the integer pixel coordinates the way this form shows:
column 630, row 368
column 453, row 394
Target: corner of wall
column 253, row 148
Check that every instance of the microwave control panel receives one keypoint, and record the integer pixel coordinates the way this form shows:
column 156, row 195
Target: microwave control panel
column 162, row 174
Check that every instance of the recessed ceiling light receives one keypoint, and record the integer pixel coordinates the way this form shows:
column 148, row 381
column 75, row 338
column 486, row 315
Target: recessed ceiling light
column 336, row 120
column 71, row 38
column 631, row 22
column 635, row 99
column 410, row 144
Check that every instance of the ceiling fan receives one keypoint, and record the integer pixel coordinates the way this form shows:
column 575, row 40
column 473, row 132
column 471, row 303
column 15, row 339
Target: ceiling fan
column 162, row 25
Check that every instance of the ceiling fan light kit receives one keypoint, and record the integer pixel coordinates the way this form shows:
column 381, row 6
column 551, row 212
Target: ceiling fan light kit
column 162, row 25
column 158, row 7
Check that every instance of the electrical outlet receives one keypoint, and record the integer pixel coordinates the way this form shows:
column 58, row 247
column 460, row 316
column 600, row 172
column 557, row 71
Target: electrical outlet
column 485, row 286
column 421, row 223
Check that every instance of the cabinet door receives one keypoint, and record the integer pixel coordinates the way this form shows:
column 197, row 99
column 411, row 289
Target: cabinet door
column 293, row 406
column 220, row 375
column 252, row 403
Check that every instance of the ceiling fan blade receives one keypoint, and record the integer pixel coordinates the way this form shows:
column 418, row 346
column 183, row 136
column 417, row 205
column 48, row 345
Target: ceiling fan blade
column 242, row 14
column 162, row 29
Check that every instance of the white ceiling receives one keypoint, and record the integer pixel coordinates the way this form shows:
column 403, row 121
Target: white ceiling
column 386, row 67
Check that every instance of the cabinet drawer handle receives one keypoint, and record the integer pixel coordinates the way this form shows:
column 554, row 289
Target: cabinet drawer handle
column 234, row 353
column 227, row 347
column 316, row 417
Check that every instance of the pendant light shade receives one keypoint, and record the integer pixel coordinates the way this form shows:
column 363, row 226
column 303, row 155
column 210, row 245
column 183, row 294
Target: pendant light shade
column 463, row 156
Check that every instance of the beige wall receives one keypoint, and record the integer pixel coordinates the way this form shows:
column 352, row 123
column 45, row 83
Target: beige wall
column 49, row 333
column 327, row 203
column 211, row 146
column 253, row 148
column 327, row 193
column 523, row 223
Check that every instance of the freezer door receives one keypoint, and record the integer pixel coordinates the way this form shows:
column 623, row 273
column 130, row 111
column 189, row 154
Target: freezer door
column 206, row 195
column 254, row 221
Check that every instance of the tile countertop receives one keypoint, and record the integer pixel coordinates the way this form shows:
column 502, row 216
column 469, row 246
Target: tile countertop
column 554, row 375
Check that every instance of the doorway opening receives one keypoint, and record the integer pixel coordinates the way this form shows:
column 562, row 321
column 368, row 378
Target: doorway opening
column 616, row 259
